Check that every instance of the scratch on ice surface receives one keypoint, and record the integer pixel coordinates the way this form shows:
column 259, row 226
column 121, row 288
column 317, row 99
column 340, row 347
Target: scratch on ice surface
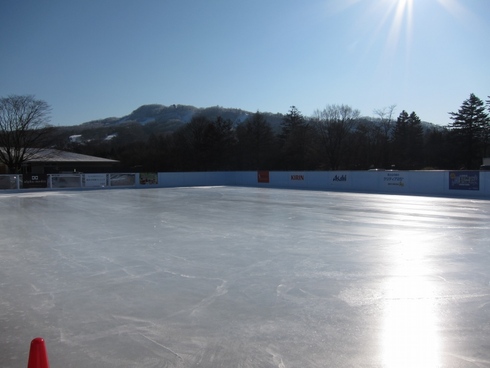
column 162, row 346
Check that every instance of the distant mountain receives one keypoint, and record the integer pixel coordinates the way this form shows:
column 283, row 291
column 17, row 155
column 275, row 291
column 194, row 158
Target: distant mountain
column 177, row 115
column 160, row 119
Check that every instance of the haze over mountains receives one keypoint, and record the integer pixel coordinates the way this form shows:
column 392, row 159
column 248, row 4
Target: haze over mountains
column 160, row 119
column 186, row 138
column 174, row 116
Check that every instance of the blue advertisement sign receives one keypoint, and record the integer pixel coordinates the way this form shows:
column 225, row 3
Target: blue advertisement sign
column 464, row 180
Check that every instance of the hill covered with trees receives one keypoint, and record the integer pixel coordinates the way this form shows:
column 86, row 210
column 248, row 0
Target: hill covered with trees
column 186, row 138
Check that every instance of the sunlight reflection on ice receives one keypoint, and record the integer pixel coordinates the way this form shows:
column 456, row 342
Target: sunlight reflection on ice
column 409, row 331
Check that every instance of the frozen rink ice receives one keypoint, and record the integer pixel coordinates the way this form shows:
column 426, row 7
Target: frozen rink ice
column 244, row 277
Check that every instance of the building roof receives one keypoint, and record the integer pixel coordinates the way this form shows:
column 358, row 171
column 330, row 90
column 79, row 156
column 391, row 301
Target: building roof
column 50, row 155
column 53, row 155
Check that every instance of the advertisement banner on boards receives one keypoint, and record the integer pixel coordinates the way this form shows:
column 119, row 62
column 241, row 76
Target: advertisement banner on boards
column 394, row 179
column 117, row 180
column 464, row 180
column 263, row 176
column 339, row 179
column 148, row 178
column 297, row 177
column 95, row 180
column 34, row 181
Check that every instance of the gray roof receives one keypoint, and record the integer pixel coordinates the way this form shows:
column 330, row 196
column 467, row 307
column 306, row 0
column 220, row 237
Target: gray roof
column 54, row 155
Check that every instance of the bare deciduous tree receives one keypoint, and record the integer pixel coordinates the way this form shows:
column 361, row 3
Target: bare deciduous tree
column 386, row 119
column 23, row 129
column 256, row 143
column 333, row 125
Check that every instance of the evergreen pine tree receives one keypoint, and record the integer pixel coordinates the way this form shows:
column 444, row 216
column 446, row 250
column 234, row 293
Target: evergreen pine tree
column 470, row 127
column 408, row 137
column 293, row 140
column 400, row 140
column 416, row 141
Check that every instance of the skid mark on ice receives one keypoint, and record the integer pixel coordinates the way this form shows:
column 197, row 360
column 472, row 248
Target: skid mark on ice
column 286, row 290
column 126, row 325
column 36, row 289
column 114, row 237
column 62, row 336
column 139, row 321
column 276, row 358
column 132, row 276
column 219, row 291
column 166, row 348
column 477, row 362
column 178, row 257
column 183, row 275
column 131, row 273
column 356, row 297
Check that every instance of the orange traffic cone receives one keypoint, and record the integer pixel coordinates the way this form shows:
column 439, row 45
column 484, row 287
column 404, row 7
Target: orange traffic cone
column 38, row 356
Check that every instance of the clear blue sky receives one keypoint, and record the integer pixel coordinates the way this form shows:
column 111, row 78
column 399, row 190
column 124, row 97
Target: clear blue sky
column 92, row 59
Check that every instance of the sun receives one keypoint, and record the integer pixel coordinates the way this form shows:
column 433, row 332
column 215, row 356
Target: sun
column 391, row 30
column 394, row 20
column 402, row 19
column 401, row 16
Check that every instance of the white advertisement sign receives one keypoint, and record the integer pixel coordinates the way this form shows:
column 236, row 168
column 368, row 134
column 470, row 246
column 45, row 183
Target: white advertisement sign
column 95, row 180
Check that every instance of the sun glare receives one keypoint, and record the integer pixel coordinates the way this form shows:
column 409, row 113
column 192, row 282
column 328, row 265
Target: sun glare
column 395, row 20
column 410, row 335
column 398, row 17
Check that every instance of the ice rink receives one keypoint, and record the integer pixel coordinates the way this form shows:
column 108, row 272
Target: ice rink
column 244, row 277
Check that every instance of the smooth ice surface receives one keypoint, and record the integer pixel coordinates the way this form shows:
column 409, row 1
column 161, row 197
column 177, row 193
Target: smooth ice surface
column 244, row 277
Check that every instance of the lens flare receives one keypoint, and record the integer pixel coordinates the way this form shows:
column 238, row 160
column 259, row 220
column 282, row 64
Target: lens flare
column 394, row 20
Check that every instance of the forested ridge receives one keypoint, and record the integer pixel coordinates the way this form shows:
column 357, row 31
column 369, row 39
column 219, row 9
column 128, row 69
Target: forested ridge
column 334, row 138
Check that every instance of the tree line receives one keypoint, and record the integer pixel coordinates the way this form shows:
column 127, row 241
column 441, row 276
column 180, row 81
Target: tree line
column 334, row 138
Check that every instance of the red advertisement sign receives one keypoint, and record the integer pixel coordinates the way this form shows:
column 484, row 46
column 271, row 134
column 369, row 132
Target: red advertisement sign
column 263, row 176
